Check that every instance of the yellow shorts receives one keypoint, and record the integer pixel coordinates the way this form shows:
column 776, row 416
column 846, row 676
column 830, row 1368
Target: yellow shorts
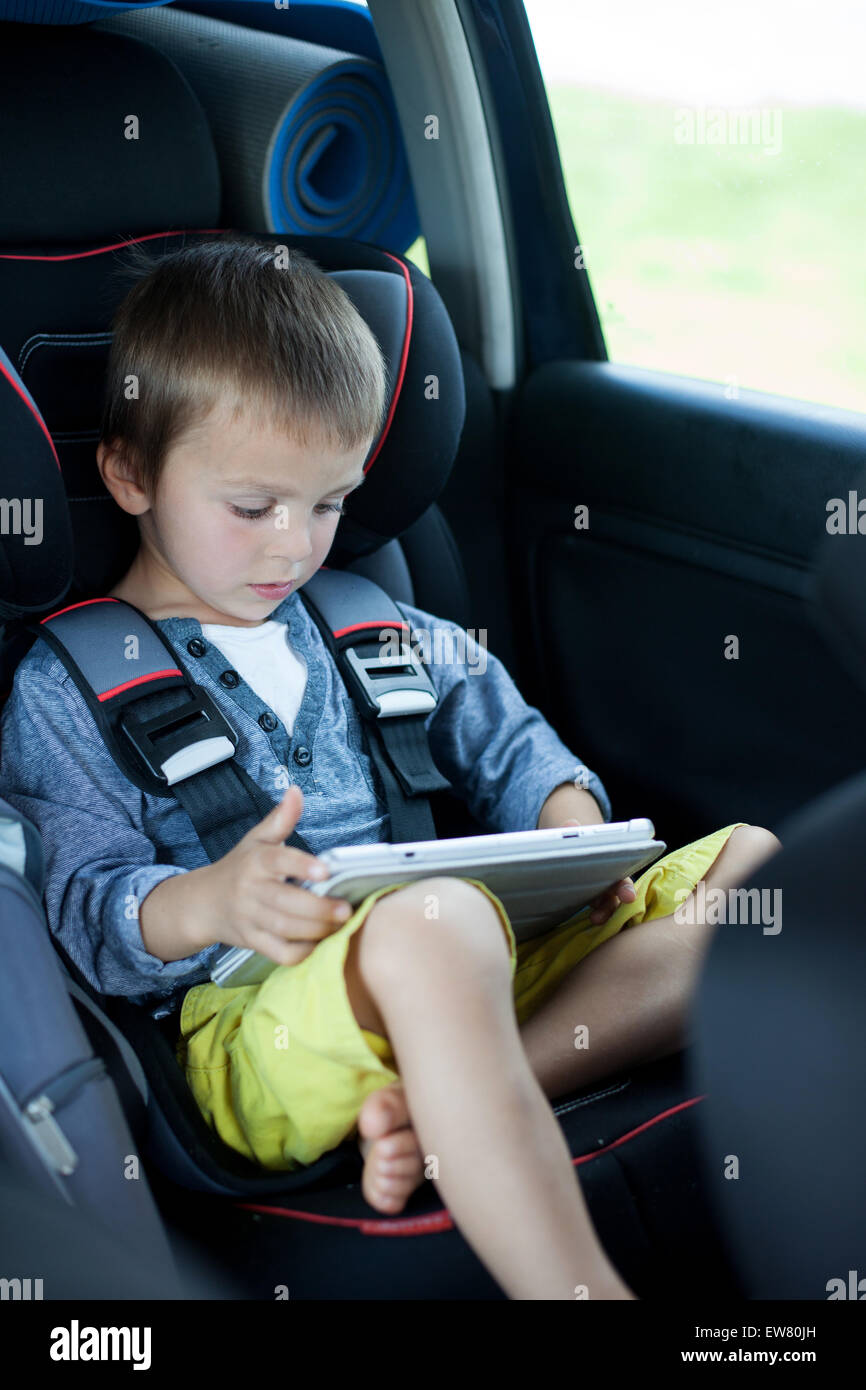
column 281, row 1069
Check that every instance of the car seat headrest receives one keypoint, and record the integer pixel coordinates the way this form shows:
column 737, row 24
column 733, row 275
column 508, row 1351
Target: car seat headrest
column 36, row 545
column 55, row 315
column 100, row 133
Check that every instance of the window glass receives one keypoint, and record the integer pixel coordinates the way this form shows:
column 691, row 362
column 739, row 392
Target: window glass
column 417, row 253
column 713, row 162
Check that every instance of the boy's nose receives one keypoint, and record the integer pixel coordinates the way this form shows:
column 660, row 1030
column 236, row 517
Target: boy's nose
column 294, row 549
column 292, row 542
column 289, row 563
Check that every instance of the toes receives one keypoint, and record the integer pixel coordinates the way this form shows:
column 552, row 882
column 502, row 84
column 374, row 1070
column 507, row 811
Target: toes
column 389, row 1203
column 383, row 1110
column 402, row 1143
column 387, row 1185
column 392, row 1191
column 387, row 1194
column 393, row 1162
column 403, row 1168
column 387, row 1182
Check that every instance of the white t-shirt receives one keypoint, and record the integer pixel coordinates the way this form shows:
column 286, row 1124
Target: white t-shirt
column 263, row 656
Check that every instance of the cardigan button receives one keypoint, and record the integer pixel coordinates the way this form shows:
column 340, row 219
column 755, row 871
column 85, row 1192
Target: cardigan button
column 302, row 756
column 230, row 678
column 268, row 721
column 196, row 647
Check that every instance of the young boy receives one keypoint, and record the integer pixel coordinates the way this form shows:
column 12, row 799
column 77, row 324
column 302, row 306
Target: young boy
column 259, row 393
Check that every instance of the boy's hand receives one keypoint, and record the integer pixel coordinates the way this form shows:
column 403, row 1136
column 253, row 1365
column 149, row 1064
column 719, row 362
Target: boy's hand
column 607, row 902
column 253, row 905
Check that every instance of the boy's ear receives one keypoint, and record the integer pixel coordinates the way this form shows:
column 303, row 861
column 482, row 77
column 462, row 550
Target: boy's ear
column 118, row 475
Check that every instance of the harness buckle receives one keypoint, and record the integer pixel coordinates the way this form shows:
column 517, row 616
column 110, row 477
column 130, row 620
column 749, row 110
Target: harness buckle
column 388, row 686
column 182, row 741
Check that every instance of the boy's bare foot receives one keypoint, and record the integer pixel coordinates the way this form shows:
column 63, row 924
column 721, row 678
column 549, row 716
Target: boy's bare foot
column 394, row 1164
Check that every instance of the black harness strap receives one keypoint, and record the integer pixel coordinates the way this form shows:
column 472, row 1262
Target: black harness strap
column 158, row 722
column 169, row 737
column 391, row 689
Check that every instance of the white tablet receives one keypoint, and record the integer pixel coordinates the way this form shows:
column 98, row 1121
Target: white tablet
column 542, row 877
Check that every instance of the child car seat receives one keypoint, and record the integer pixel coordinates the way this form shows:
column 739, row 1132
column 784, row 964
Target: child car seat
column 58, row 290
column 71, row 1169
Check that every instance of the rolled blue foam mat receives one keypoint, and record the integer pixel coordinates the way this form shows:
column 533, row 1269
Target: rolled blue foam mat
column 307, row 137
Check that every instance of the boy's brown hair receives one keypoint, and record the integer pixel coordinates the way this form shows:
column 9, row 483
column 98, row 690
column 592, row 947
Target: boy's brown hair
column 256, row 326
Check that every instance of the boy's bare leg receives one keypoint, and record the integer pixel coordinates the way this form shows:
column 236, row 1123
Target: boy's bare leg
column 441, row 991
column 634, row 1001
column 633, row 992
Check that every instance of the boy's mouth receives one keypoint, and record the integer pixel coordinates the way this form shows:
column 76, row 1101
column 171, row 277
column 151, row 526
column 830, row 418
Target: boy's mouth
column 273, row 590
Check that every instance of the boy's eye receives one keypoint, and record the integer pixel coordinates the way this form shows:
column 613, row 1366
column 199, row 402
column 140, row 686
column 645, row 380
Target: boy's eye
column 248, row 514
column 253, row 515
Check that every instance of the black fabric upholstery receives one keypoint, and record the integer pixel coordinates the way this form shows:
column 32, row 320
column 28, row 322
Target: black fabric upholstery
column 779, row 1050
column 69, row 171
column 837, row 592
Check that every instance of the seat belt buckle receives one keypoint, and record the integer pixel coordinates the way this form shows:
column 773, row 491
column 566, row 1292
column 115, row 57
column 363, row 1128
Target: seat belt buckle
column 182, row 741
column 386, row 687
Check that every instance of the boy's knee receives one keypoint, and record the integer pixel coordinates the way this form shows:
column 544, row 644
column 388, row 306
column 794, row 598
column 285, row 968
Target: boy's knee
column 441, row 910
column 758, row 840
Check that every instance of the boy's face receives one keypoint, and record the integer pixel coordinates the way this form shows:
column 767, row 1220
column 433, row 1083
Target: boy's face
column 200, row 557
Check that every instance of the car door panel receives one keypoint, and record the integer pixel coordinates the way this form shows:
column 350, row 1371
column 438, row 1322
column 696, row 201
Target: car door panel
column 703, row 517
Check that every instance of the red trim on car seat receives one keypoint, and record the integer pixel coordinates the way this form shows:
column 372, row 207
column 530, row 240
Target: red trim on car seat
column 83, row 604
column 218, row 231
column 33, row 411
column 140, row 680
column 127, row 685
column 358, row 627
column 438, row 1221
column 115, row 246
column 404, row 356
column 75, row 256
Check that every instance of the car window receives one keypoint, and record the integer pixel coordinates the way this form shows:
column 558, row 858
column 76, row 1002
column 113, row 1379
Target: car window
column 417, row 252
column 712, row 159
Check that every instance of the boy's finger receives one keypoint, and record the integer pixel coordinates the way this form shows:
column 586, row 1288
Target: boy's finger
column 287, row 862
column 276, row 827
column 280, row 950
column 610, row 896
column 609, row 901
column 603, row 907
column 308, row 914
